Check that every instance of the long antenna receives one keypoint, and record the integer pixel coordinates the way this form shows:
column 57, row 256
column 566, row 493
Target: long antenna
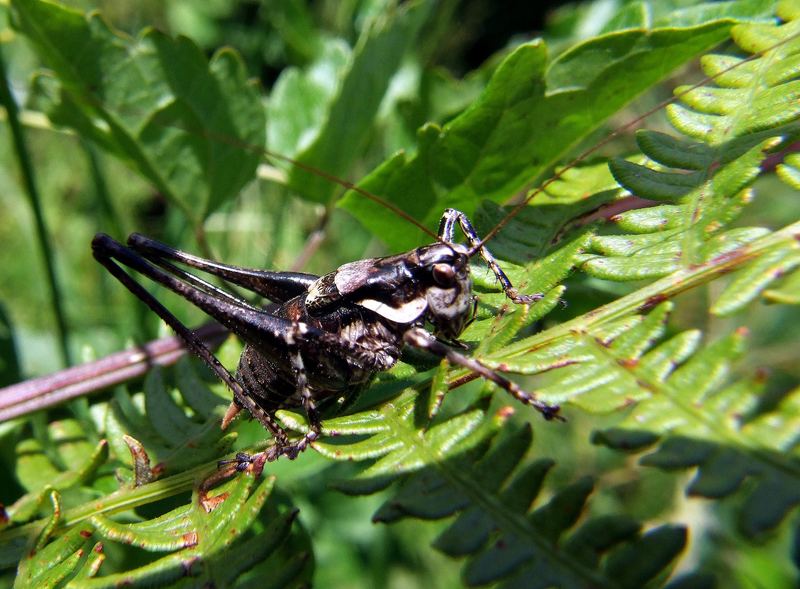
column 92, row 99
column 350, row 186
column 317, row 172
column 618, row 131
column 262, row 151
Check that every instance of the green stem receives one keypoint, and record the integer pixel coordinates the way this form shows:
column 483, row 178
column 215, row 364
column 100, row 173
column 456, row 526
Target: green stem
column 109, row 213
column 111, row 222
column 15, row 540
column 661, row 290
column 26, row 167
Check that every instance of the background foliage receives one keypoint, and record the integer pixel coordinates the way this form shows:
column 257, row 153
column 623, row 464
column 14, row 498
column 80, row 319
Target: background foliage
column 674, row 247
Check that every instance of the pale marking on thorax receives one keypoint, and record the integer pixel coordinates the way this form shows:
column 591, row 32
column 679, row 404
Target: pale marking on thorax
column 408, row 312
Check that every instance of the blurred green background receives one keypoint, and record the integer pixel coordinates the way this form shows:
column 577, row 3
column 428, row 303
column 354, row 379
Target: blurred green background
column 84, row 192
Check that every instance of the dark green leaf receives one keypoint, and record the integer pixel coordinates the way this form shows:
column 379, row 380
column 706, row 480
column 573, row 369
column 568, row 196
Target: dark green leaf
column 152, row 101
column 528, row 117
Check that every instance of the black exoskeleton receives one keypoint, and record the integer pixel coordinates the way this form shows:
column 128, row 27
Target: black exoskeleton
column 327, row 336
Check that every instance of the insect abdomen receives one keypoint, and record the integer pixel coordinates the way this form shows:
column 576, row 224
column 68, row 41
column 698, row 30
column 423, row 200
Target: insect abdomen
column 260, row 379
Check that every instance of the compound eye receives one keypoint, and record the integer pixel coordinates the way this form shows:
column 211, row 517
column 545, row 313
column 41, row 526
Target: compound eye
column 443, row 274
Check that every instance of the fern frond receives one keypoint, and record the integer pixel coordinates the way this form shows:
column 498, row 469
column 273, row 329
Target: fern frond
column 507, row 533
column 703, row 179
column 159, row 423
column 675, row 387
column 72, row 555
column 518, row 355
column 728, row 448
column 65, row 465
column 391, row 434
column 229, row 545
column 756, row 277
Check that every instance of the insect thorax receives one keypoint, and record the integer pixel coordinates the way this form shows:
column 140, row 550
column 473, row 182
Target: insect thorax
column 429, row 283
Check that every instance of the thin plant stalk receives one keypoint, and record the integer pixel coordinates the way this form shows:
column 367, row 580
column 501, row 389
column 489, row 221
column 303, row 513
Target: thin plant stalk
column 42, row 234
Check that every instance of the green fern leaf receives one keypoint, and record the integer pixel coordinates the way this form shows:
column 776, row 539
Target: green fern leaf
column 506, row 534
column 162, row 426
column 731, row 128
column 788, row 292
column 72, row 463
column 390, row 436
column 228, row 545
column 74, row 554
column 789, row 170
column 675, row 387
column 709, row 428
column 754, row 279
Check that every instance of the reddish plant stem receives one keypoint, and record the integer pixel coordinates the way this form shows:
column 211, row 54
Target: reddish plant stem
column 46, row 391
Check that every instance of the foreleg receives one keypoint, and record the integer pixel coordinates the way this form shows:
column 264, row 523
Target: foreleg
column 446, row 233
column 419, row 338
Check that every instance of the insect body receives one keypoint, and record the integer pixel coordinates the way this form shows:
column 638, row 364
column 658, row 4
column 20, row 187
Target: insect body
column 323, row 337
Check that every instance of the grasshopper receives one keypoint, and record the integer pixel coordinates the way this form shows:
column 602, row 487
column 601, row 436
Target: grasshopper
column 323, row 337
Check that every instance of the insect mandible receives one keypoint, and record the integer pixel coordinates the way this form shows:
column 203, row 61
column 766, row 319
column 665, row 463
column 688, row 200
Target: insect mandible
column 323, row 337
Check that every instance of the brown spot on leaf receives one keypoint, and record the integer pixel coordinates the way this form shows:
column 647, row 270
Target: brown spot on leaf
column 603, row 342
column 189, row 539
column 505, row 412
column 208, row 503
column 653, row 301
